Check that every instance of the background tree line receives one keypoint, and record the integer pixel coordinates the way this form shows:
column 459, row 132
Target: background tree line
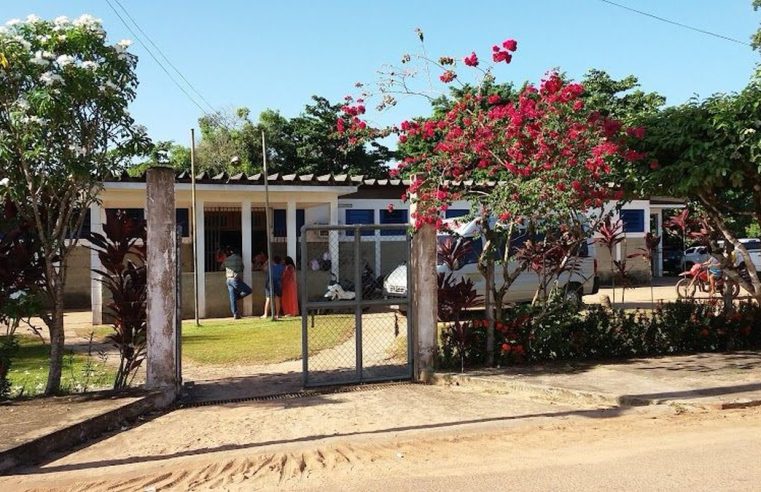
column 231, row 142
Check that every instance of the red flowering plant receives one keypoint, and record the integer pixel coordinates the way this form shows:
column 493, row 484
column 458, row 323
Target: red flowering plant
column 533, row 157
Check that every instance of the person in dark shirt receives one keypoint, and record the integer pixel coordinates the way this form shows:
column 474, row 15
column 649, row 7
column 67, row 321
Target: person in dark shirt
column 236, row 287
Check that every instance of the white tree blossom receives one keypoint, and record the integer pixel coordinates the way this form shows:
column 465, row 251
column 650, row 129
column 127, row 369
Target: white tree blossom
column 122, row 45
column 64, row 60
column 50, row 78
column 87, row 20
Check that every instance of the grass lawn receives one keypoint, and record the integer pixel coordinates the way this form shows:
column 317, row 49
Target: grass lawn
column 257, row 341
column 29, row 370
column 99, row 333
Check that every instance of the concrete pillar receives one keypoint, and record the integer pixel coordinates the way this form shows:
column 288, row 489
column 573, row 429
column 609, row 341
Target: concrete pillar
column 291, row 230
column 161, row 372
column 97, row 217
column 246, row 252
column 423, row 298
column 200, row 266
column 333, row 238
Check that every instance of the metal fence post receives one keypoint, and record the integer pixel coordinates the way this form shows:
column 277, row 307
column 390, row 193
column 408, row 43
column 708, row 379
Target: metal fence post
column 358, row 299
column 304, row 311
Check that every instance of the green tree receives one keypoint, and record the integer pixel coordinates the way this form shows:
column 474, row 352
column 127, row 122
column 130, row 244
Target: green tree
column 167, row 153
column 305, row 144
column 710, row 151
column 621, row 99
column 64, row 124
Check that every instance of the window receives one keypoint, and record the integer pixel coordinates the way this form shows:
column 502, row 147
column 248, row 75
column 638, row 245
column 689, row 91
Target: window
column 137, row 214
column 182, row 215
column 634, row 220
column 360, row 216
column 280, row 222
column 85, row 228
column 456, row 212
column 279, row 228
column 393, row 217
column 752, row 245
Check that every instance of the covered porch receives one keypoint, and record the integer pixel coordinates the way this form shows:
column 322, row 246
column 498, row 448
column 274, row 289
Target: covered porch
column 230, row 211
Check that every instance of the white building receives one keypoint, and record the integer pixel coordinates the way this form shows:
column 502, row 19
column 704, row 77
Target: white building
column 231, row 212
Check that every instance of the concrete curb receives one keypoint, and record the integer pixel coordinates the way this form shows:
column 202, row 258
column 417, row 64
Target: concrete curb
column 559, row 394
column 36, row 450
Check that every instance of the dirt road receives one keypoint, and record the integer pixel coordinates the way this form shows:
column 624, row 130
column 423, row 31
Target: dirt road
column 424, row 440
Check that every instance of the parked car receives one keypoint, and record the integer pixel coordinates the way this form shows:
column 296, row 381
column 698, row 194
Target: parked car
column 699, row 254
column 582, row 281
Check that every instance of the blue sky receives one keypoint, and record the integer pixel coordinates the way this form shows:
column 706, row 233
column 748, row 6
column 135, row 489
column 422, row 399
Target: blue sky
column 277, row 54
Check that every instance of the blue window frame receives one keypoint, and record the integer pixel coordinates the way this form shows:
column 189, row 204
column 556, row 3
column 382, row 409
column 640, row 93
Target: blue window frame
column 280, row 222
column 393, row 217
column 634, row 220
column 456, row 212
column 360, row 216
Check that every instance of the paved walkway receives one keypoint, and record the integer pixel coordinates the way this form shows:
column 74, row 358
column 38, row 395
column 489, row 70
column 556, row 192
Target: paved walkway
column 710, row 380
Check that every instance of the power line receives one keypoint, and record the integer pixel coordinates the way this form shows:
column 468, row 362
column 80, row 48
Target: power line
column 675, row 23
column 179, row 86
column 161, row 53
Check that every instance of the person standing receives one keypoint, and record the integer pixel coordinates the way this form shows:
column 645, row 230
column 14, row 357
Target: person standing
column 236, row 287
column 273, row 294
column 290, row 301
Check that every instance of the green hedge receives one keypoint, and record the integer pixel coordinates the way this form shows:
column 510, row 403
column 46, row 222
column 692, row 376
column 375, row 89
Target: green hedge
column 562, row 333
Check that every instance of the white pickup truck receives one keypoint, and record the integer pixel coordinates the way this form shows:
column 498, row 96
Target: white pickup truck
column 699, row 254
column 581, row 282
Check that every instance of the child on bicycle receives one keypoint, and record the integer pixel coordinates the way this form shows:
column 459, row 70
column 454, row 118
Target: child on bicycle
column 714, row 272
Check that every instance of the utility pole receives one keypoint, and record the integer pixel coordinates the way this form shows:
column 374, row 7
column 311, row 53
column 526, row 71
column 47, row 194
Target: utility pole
column 268, row 225
column 193, row 236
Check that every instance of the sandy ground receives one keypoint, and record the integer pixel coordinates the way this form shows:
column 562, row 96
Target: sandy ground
column 467, row 441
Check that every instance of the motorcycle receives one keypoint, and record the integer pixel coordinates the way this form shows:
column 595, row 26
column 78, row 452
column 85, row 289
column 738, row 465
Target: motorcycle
column 372, row 286
column 697, row 278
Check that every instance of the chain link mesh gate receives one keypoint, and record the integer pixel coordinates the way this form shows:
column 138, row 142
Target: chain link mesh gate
column 354, row 304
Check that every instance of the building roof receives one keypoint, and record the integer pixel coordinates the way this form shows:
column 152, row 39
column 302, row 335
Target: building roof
column 274, row 179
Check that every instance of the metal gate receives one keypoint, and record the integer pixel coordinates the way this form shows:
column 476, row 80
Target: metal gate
column 354, row 304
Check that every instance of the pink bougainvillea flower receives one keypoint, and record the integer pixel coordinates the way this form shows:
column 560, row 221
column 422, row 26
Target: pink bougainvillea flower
column 390, row 207
column 654, row 165
column 472, row 60
column 510, row 45
column 502, row 56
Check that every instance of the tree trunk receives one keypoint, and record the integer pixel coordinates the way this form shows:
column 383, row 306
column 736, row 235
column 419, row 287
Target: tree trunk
column 489, row 312
column 56, row 342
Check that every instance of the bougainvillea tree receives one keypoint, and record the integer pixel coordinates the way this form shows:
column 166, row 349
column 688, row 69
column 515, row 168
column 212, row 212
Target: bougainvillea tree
column 533, row 158
column 64, row 124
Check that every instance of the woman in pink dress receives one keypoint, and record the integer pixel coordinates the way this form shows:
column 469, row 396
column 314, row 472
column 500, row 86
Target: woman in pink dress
column 290, row 300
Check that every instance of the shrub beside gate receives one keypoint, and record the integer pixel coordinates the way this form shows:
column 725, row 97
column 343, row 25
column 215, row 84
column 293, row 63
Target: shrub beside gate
column 528, row 334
